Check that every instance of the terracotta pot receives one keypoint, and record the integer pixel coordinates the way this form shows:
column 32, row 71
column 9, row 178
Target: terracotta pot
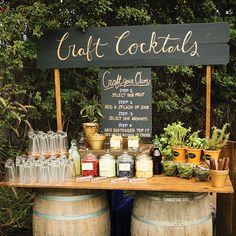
column 96, row 141
column 214, row 154
column 90, row 128
column 179, row 154
column 218, row 177
column 194, row 155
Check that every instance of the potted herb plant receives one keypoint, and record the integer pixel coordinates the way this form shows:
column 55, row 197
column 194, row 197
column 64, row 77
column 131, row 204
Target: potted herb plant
column 92, row 112
column 177, row 134
column 213, row 144
column 194, row 150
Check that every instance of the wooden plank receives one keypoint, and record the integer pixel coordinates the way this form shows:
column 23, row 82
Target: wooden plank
column 156, row 183
column 208, row 101
column 146, row 45
column 58, row 99
column 226, row 203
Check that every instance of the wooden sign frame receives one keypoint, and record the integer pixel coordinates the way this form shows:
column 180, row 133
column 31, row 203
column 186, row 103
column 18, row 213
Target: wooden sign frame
column 215, row 35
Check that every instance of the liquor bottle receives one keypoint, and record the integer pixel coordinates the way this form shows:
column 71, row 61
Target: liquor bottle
column 75, row 156
column 157, row 158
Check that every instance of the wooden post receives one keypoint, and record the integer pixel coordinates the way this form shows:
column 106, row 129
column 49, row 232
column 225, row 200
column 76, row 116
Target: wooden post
column 208, row 101
column 58, row 98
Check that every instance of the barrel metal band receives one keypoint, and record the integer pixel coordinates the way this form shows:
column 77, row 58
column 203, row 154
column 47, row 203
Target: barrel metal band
column 69, row 198
column 172, row 224
column 174, row 198
column 70, row 217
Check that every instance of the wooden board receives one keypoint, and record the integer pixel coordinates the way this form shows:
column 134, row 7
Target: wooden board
column 156, row 183
column 143, row 45
column 226, row 203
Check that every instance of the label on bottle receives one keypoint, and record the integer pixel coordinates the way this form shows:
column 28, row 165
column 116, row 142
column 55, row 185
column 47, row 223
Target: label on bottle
column 143, row 166
column 133, row 143
column 114, row 143
column 106, row 165
column 176, row 154
column 124, row 166
column 87, row 166
column 191, row 155
column 156, row 153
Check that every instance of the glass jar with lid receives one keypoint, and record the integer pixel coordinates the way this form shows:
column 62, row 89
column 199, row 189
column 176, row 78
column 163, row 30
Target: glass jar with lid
column 116, row 142
column 144, row 166
column 107, row 165
column 125, row 165
column 89, row 164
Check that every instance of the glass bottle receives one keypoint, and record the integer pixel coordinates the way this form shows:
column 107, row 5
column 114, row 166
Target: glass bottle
column 157, row 158
column 75, row 156
column 89, row 164
column 107, row 165
column 144, row 166
column 125, row 165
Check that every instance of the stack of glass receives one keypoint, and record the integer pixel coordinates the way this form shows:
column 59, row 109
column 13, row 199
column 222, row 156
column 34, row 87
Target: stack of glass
column 46, row 160
column 47, row 144
column 30, row 170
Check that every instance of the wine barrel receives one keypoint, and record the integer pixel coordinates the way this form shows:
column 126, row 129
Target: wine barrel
column 171, row 214
column 71, row 213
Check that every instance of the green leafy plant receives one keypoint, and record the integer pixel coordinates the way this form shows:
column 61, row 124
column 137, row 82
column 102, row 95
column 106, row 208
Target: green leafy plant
column 176, row 134
column 218, row 139
column 16, row 209
column 91, row 110
column 194, row 141
column 165, row 149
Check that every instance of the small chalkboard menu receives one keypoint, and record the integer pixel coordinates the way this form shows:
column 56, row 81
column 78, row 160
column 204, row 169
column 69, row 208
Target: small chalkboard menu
column 126, row 101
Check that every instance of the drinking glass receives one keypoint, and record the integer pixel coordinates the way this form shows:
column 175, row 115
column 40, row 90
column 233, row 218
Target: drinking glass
column 63, row 143
column 33, row 145
column 20, row 170
column 68, row 171
column 55, row 171
column 10, row 174
column 53, row 144
column 43, row 144
column 28, row 172
column 44, row 172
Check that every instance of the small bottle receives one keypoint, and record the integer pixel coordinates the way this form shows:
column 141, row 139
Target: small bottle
column 75, row 156
column 157, row 158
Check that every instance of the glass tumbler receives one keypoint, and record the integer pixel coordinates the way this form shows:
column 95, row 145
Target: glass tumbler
column 10, row 173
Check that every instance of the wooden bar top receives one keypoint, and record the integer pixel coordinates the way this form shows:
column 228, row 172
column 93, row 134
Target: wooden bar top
column 156, row 183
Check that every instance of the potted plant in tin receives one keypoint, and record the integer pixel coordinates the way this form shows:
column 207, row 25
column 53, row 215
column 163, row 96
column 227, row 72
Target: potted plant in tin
column 195, row 146
column 92, row 112
column 177, row 135
column 213, row 144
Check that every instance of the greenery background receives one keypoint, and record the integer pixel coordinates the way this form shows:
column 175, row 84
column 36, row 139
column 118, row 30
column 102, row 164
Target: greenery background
column 27, row 93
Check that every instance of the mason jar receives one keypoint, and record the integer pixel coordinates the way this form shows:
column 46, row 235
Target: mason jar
column 144, row 166
column 125, row 165
column 107, row 165
column 89, row 164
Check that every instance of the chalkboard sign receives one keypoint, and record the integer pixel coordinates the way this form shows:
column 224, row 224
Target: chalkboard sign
column 143, row 45
column 126, row 101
